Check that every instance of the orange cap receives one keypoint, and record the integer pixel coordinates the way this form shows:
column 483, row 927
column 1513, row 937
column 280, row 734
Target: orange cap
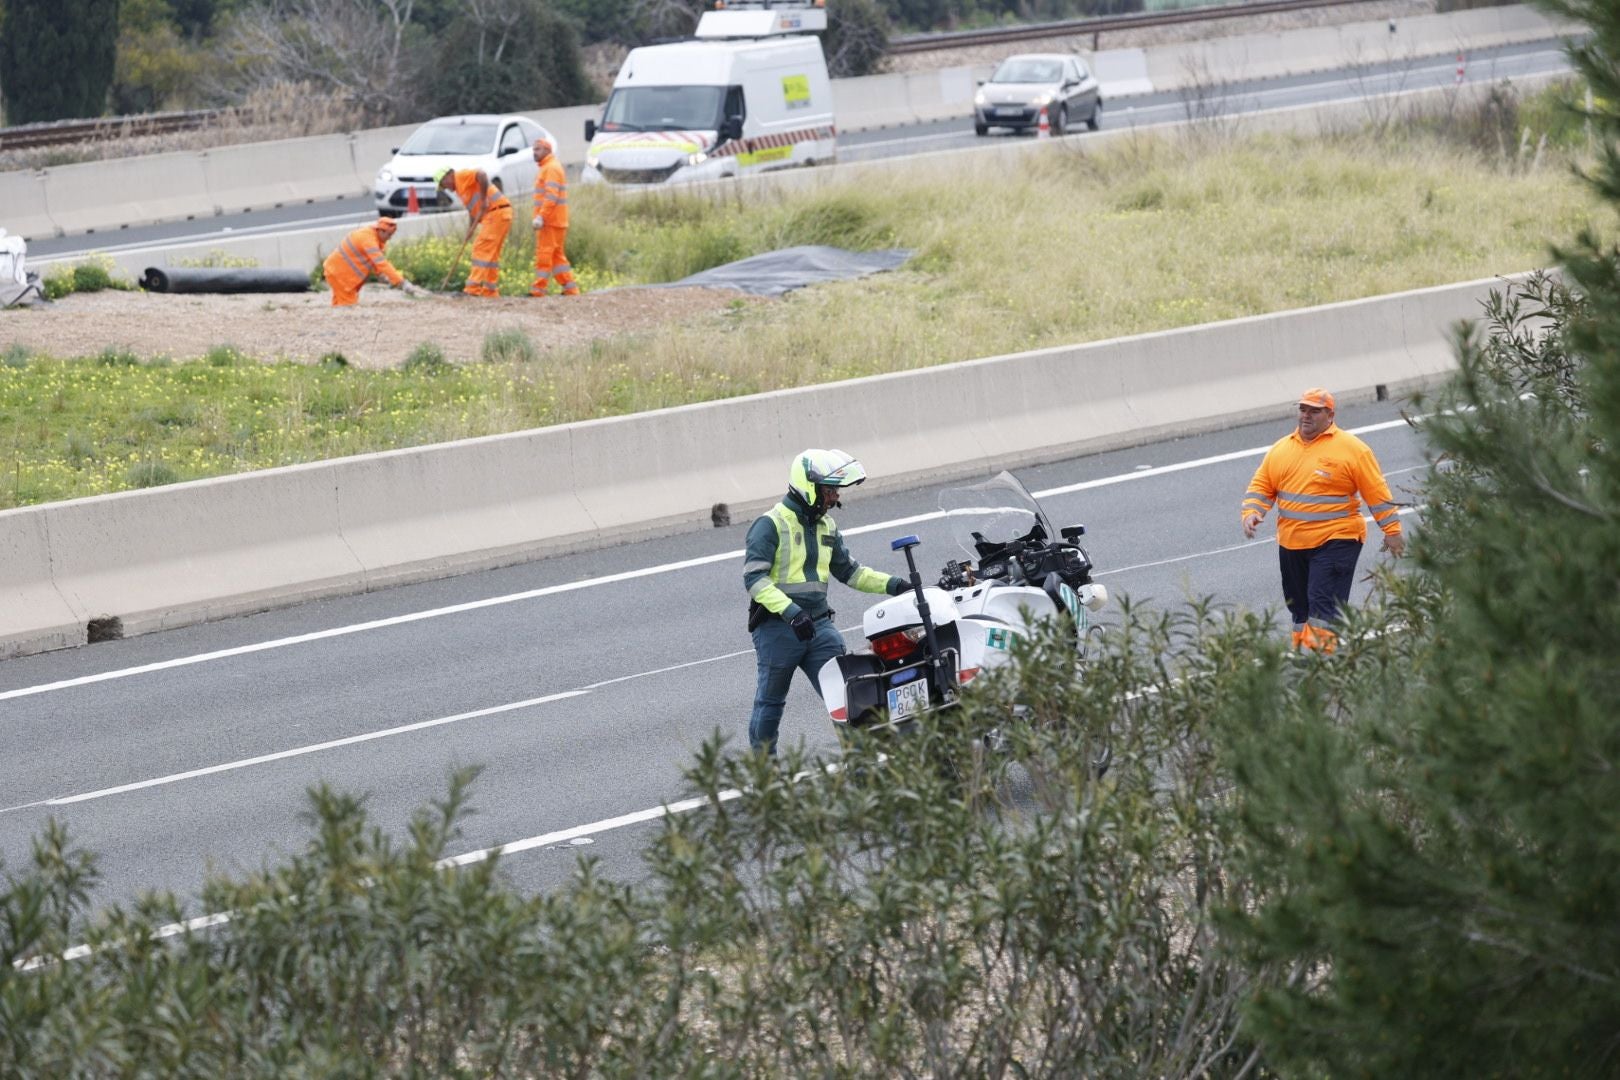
column 1317, row 398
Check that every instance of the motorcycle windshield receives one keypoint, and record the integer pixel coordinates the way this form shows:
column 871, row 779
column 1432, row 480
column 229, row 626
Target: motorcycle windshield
column 995, row 512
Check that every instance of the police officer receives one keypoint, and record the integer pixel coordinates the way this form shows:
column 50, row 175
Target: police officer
column 793, row 550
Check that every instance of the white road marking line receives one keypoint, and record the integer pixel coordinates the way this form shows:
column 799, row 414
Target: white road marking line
column 607, row 579
column 298, row 751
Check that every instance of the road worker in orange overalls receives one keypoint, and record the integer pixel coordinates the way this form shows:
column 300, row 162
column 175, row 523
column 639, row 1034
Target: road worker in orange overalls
column 550, row 224
column 1313, row 476
column 359, row 258
column 489, row 214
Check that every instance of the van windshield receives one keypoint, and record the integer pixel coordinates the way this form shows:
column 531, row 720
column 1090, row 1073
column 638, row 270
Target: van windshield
column 664, row 108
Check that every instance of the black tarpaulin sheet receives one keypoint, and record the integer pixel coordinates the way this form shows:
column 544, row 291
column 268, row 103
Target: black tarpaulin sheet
column 777, row 272
column 218, row 279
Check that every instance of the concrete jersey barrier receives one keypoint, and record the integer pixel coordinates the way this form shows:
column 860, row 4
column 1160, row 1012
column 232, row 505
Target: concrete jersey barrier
column 274, row 537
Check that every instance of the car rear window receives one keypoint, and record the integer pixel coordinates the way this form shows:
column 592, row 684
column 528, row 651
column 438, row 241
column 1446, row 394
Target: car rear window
column 450, row 139
column 1028, row 71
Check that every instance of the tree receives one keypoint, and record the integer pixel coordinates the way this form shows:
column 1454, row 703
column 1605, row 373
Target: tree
column 157, row 66
column 857, row 37
column 361, row 49
column 507, row 55
column 1434, row 833
column 56, row 58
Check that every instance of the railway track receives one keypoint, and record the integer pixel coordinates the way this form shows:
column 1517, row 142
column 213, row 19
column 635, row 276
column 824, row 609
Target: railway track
column 68, row 132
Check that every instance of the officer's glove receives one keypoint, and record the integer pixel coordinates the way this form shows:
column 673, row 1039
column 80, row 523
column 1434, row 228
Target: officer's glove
column 413, row 289
column 539, row 222
column 804, row 627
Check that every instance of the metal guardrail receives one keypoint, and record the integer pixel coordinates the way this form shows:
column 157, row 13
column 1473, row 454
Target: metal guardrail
column 962, row 39
column 64, row 132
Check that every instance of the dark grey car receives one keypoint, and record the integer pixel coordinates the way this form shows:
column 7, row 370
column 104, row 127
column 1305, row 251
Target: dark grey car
column 1062, row 83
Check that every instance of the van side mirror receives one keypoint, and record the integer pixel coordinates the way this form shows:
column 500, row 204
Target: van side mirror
column 395, row 150
column 732, row 128
column 590, row 130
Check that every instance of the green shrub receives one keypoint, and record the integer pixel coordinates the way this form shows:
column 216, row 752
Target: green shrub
column 117, row 356
column 14, row 356
column 509, row 346
column 224, row 356
column 91, row 277
column 426, row 359
column 147, row 474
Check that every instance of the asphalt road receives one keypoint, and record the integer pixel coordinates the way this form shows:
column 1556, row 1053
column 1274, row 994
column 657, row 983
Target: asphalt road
column 582, row 684
column 1372, row 81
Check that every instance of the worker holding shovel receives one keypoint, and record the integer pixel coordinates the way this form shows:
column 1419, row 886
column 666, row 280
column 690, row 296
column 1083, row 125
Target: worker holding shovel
column 489, row 219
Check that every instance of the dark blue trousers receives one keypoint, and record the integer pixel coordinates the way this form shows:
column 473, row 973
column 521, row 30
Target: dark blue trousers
column 1316, row 581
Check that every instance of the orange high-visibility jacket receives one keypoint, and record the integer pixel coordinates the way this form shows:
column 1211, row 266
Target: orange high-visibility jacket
column 1314, row 486
column 551, row 193
column 475, row 201
column 360, row 256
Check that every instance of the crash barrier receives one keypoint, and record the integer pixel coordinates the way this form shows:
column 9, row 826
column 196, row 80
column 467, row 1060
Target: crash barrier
column 166, row 187
column 22, row 204
column 185, row 553
column 1264, row 56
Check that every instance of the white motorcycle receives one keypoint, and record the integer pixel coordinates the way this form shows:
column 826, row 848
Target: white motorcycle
column 925, row 645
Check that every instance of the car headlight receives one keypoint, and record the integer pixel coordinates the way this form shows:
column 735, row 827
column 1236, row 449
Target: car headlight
column 385, row 176
column 978, row 99
column 1044, row 99
column 697, row 159
column 590, row 161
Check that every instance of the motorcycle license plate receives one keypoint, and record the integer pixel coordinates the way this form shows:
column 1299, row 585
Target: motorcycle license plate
column 908, row 700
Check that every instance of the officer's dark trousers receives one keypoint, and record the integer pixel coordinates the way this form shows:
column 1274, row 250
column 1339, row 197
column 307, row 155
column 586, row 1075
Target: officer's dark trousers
column 779, row 653
column 1316, row 581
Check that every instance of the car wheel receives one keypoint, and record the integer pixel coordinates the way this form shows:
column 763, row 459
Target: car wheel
column 1094, row 121
column 981, row 129
column 1061, row 124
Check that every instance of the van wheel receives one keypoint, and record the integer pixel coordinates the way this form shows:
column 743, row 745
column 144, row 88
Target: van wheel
column 981, row 129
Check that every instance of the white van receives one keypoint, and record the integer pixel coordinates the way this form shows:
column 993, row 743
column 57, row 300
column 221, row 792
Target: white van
column 750, row 93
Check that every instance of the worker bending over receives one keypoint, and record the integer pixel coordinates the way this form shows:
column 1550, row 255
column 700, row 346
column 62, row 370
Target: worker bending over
column 359, row 258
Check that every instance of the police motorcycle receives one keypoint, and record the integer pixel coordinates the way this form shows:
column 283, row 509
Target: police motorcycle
column 925, row 645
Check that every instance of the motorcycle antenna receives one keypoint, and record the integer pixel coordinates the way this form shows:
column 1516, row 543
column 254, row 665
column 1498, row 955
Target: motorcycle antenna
column 905, row 544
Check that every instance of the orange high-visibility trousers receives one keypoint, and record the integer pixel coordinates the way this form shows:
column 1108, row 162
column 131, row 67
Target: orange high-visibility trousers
column 486, row 257
column 551, row 261
column 345, row 290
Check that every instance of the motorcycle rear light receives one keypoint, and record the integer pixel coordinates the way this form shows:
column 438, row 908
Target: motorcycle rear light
column 895, row 646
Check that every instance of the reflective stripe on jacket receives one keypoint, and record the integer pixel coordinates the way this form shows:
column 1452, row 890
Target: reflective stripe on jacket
column 551, row 193
column 788, row 563
column 476, row 202
column 361, row 255
column 1314, row 487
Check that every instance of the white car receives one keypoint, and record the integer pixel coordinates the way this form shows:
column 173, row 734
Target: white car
column 500, row 145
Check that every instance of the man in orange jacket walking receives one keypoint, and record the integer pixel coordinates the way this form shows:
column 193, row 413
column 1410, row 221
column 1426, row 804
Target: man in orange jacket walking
column 1313, row 475
column 550, row 224
column 359, row 258
column 489, row 214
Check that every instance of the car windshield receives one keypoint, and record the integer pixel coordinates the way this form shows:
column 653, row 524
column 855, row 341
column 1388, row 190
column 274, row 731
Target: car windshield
column 1028, row 71
column 450, row 139
column 664, row 108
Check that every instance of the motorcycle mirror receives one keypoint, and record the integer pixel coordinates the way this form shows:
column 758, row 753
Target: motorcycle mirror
column 900, row 543
column 1073, row 533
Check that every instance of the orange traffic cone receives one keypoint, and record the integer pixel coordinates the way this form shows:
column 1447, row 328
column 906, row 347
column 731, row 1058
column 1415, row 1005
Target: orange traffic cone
column 1044, row 131
column 411, row 205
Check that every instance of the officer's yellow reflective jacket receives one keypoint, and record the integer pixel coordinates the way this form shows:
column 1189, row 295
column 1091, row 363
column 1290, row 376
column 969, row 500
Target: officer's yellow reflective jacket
column 790, row 559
